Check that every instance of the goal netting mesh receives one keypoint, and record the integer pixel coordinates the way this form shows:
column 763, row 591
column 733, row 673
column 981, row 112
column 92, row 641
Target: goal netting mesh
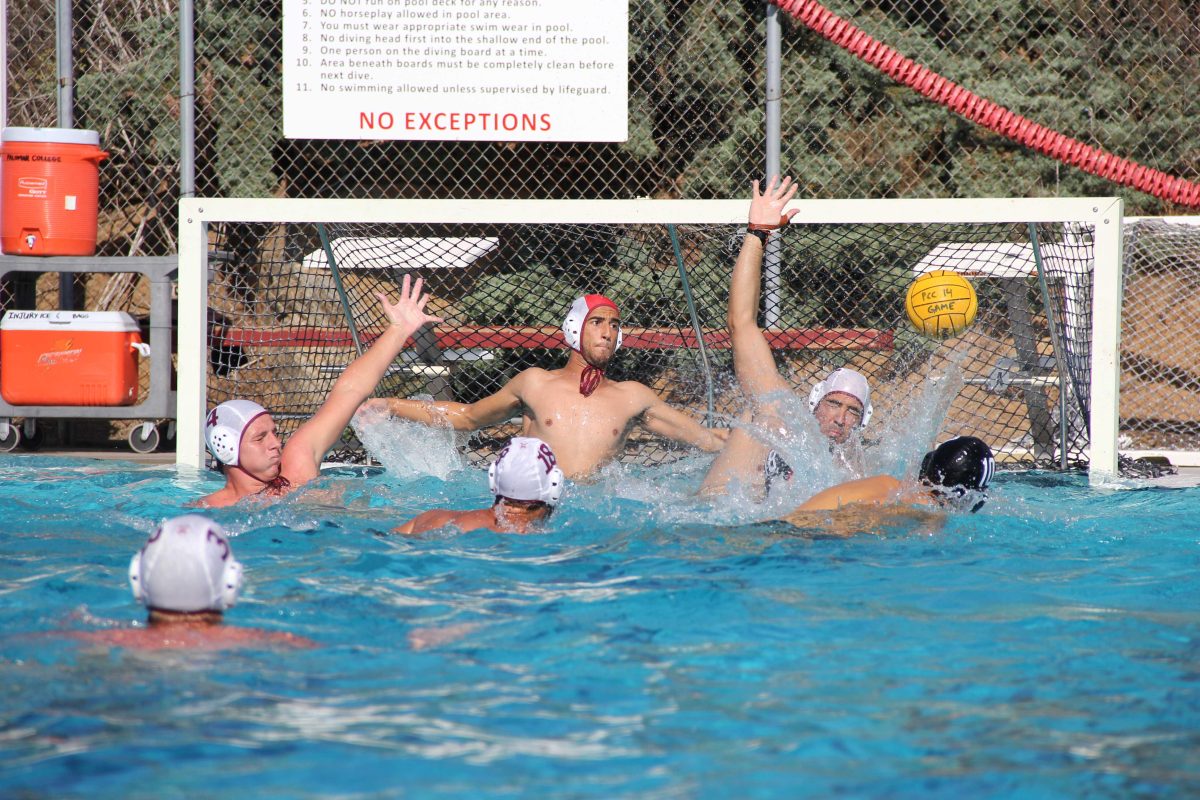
column 290, row 305
column 1160, row 381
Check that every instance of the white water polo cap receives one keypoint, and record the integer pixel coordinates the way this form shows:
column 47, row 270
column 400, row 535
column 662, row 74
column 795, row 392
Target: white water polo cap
column 186, row 565
column 225, row 426
column 849, row 382
column 526, row 469
column 581, row 309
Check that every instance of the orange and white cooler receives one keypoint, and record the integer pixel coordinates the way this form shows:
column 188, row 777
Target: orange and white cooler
column 50, row 181
column 70, row 358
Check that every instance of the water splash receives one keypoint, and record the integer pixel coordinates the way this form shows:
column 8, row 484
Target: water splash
column 893, row 445
column 408, row 449
column 897, row 442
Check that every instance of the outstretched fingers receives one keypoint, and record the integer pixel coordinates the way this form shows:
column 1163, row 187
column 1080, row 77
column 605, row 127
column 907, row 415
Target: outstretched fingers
column 419, row 299
column 410, row 308
column 767, row 203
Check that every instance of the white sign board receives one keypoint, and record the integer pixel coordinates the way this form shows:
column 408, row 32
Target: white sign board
column 484, row 70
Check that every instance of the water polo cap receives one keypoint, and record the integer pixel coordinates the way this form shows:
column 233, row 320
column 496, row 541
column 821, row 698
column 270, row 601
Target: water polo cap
column 225, row 426
column 776, row 468
column 849, row 382
column 186, row 565
column 581, row 309
column 960, row 465
column 526, row 470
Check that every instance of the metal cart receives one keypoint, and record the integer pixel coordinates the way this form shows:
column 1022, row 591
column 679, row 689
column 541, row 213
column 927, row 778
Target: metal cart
column 159, row 403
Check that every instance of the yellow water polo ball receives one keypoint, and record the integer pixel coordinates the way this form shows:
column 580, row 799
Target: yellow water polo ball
column 941, row 303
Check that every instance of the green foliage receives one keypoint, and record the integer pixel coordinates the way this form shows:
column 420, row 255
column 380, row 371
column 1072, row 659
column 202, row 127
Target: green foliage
column 135, row 102
column 530, row 296
column 1115, row 76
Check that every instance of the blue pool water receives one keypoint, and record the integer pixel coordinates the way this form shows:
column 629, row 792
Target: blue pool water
column 1046, row 647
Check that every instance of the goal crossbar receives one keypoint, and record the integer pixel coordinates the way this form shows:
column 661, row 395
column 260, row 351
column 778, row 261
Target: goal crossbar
column 1103, row 216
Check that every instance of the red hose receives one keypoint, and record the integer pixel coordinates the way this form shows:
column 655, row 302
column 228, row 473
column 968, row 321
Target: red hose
column 984, row 112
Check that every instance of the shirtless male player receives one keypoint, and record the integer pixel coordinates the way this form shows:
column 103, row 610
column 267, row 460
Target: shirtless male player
column 526, row 483
column 583, row 416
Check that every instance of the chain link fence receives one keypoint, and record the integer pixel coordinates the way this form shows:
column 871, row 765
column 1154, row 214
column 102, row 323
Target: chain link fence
column 1113, row 76
column 288, row 312
column 696, row 99
column 1160, row 354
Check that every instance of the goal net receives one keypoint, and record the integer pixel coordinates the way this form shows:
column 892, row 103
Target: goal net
column 1160, row 386
column 278, row 296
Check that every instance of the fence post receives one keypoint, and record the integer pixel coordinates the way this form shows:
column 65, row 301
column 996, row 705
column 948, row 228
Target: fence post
column 774, row 92
column 187, row 99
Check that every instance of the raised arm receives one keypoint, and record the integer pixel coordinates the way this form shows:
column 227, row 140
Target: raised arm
column 308, row 445
column 752, row 359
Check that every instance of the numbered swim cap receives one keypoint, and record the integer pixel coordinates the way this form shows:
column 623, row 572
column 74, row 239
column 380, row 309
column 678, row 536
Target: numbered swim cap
column 526, row 470
column 581, row 309
column 225, row 425
column 847, row 381
column 186, row 565
column 960, row 465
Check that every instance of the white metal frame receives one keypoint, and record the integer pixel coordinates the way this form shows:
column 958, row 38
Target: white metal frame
column 1178, row 458
column 1104, row 214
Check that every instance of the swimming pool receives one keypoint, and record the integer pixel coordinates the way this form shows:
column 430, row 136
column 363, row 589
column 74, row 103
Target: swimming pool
column 1046, row 647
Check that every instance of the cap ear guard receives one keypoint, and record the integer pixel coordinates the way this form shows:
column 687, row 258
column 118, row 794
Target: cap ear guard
column 493, row 486
column 231, row 583
column 578, row 314
column 554, row 491
column 926, row 463
column 135, row 577
column 225, row 426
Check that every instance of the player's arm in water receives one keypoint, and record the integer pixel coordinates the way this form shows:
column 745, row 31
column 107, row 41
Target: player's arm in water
column 302, row 455
column 875, row 490
column 426, row 521
column 753, row 362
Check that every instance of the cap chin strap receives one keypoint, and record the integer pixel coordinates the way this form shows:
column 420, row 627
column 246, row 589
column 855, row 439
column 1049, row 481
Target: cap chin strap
column 590, row 379
column 957, row 497
column 271, row 486
column 276, row 486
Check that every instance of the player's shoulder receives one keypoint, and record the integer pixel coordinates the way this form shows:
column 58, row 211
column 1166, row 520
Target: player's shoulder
column 219, row 499
column 530, row 375
column 634, row 388
column 433, row 518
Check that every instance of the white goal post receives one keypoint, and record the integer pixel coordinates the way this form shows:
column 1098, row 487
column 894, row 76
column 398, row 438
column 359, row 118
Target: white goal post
column 199, row 217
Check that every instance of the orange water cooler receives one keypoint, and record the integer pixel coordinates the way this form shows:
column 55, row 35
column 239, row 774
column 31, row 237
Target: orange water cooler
column 50, row 182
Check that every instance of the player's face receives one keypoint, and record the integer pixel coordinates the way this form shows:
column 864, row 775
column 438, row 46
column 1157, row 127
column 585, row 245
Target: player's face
column 838, row 413
column 260, row 450
column 599, row 339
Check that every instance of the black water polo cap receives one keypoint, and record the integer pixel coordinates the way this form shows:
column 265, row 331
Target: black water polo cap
column 964, row 463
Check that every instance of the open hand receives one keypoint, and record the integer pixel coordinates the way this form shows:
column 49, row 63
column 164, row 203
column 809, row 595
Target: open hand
column 766, row 207
column 409, row 311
